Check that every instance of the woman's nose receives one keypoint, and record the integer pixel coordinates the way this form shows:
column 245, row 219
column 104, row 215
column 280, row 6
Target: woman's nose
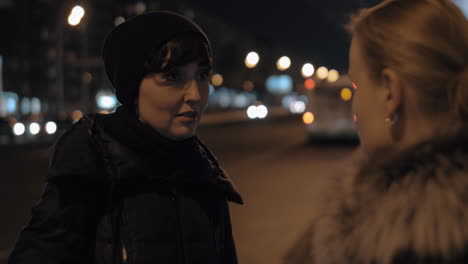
column 192, row 93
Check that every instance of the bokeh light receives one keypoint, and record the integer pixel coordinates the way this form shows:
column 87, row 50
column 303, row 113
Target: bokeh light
column 283, row 63
column 308, row 118
column 322, row 73
column 307, row 70
column 333, row 76
column 19, row 129
column 119, row 20
column 297, row 107
column 34, row 128
column 51, row 127
column 35, row 105
column 346, row 94
column 252, row 112
column 262, row 111
column 76, row 15
column 78, row 11
column 140, row 8
column 87, row 78
column 217, row 79
column 76, row 115
column 105, row 101
column 248, row 86
column 252, row 59
column 309, row 84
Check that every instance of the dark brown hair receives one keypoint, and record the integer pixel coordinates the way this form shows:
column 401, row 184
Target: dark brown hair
column 178, row 51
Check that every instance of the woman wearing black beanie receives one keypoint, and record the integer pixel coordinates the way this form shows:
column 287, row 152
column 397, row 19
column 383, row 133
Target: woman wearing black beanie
column 137, row 185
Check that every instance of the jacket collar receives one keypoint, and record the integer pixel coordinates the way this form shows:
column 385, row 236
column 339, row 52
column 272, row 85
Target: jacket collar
column 137, row 150
column 408, row 201
column 394, row 166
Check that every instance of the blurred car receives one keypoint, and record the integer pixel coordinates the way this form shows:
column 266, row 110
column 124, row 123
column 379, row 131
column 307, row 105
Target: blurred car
column 328, row 116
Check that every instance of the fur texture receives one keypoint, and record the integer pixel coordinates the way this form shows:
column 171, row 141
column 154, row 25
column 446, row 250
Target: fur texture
column 406, row 207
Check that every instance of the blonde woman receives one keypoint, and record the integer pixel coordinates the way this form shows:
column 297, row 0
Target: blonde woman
column 407, row 202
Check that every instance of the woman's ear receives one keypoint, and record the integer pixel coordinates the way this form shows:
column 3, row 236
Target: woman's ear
column 393, row 91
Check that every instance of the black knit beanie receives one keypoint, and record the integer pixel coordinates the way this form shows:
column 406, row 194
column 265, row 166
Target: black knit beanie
column 129, row 44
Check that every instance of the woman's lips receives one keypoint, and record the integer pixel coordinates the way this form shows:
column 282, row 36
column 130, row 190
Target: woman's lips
column 187, row 117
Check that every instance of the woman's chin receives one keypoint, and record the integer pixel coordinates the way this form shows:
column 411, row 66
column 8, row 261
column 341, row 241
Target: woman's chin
column 181, row 133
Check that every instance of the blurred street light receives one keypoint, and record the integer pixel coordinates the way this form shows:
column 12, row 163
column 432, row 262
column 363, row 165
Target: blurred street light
column 262, row 111
column 309, row 84
column 51, row 127
column 248, row 86
column 140, row 8
column 252, row 59
column 333, row 76
column 34, row 128
column 76, row 15
column 259, row 111
column 283, row 63
column 106, row 100
column 118, row 20
column 74, row 18
column 19, row 129
column 308, row 118
column 322, row 73
column 252, row 112
column 297, row 107
column 35, row 105
column 346, row 94
column 76, row 115
column 86, row 78
column 217, row 80
column 307, row 70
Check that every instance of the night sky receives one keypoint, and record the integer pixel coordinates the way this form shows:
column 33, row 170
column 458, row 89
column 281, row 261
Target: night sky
column 311, row 29
column 308, row 29
column 305, row 30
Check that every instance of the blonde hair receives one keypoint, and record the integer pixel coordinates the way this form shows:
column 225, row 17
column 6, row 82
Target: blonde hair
column 426, row 43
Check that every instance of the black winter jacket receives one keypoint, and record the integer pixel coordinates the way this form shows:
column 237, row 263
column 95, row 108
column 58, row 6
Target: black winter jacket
column 109, row 201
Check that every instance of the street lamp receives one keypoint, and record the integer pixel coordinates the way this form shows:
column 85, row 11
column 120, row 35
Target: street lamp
column 283, row 63
column 322, row 73
column 252, row 59
column 307, row 70
column 74, row 18
column 333, row 76
column 217, row 80
column 76, row 15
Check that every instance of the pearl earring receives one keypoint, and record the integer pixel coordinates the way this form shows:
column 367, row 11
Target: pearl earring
column 392, row 120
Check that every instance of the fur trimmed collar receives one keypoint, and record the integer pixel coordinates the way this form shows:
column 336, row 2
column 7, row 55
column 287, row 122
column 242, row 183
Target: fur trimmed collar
column 404, row 207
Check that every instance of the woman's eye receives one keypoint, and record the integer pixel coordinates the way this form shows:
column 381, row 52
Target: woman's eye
column 204, row 75
column 171, row 76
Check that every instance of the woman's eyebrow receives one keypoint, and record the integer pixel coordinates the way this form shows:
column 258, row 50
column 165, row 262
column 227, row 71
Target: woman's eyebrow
column 203, row 66
column 203, row 62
